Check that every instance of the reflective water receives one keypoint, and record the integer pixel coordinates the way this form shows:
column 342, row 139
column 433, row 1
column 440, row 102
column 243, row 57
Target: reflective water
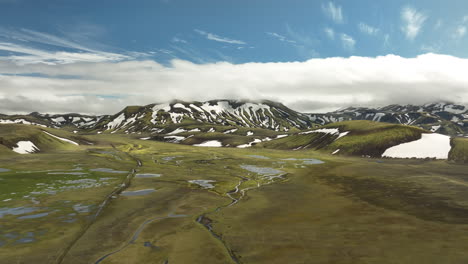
column 138, row 192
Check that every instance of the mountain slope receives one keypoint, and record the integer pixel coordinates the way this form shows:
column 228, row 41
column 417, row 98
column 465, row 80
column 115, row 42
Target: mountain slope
column 444, row 118
column 362, row 138
column 26, row 139
column 154, row 117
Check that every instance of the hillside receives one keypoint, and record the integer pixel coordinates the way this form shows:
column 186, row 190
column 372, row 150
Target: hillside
column 362, row 138
column 459, row 152
column 441, row 117
column 27, row 139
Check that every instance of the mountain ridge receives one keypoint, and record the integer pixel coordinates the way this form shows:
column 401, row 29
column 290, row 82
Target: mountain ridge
column 442, row 117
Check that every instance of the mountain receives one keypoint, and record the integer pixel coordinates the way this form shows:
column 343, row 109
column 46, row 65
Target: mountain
column 54, row 121
column 155, row 117
column 443, row 117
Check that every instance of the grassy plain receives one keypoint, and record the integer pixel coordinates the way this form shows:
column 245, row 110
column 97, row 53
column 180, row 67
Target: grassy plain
column 345, row 210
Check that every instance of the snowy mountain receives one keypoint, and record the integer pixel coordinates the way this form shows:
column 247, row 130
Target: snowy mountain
column 264, row 114
column 442, row 117
column 54, row 121
column 154, row 117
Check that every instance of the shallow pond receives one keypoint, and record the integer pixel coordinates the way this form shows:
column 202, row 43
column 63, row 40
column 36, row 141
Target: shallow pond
column 147, row 175
column 203, row 183
column 258, row 156
column 265, row 171
column 16, row 211
column 138, row 192
column 108, row 170
column 34, row 216
column 307, row 161
column 4, row 170
column 69, row 173
column 82, row 208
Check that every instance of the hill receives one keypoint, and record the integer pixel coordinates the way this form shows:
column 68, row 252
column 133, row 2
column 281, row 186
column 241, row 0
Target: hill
column 362, row 138
column 441, row 117
column 27, row 139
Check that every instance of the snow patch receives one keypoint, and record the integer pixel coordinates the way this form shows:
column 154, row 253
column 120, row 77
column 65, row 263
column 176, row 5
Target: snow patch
column 177, row 131
column 116, row 122
column 429, row 146
column 342, row 135
column 331, row 131
column 62, row 139
column 25, row 147
column 435, row 128
column 211, row 143
column 19, row 121
column 249, row 144
column 174, row 139
column 230, row 131
column 179, row 105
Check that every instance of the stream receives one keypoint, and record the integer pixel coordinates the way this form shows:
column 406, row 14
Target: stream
column 206, row 222
column 124, row 185
column 137, row 233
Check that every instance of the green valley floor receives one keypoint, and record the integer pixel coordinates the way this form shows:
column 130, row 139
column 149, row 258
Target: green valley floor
column 124, row 200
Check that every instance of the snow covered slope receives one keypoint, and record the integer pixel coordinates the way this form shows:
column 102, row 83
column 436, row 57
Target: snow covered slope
column 264, row 114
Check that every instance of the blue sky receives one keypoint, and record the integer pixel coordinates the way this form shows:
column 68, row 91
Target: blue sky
column 245, row 31
column 314, row 56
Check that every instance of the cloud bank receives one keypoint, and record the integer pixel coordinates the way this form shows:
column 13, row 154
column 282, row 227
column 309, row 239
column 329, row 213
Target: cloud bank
column 313, row 85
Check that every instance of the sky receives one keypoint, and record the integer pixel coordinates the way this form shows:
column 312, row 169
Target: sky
column 96, row 57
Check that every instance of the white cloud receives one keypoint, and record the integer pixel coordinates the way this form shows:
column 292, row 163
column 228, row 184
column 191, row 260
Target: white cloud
column 27, row 55
column 329, row 32
column 280, row 37
column 305, row 43
column 460, row 32
column 178, row 40
column 307, row 86
column 333, row 11
column 217, row 38
column 413, row 21
column 370, row 30
column 347, row 41
column 24, row 49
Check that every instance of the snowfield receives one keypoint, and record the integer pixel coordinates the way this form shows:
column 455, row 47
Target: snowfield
column 25, row 147
column 429, row 146
column 62, row 139
column 211, row 143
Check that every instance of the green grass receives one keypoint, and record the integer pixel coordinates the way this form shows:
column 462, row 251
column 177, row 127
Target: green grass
column 346, row 210
column 11, row 134
column 459, row 151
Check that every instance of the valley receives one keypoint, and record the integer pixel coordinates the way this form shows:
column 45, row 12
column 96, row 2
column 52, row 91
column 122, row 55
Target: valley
column 128, row 198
